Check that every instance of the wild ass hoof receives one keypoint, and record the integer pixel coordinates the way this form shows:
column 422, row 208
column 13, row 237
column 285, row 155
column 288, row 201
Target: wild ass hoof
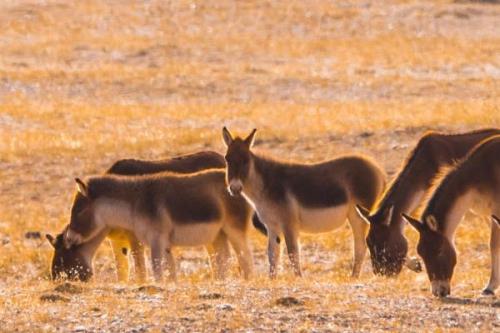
column 355, row 274
column 414, row 264
column 488, row 292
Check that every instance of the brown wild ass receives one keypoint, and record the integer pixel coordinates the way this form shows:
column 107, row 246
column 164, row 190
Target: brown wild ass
column 163, row 210
column 290, row 198
column 386, row 241
column 76, row 262
column 474, row 183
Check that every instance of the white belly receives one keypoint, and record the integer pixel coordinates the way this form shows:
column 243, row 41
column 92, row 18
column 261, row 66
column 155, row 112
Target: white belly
column 194, row 234
column 322, row 220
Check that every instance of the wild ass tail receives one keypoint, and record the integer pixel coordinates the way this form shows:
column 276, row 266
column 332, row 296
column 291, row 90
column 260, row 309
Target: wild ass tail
column 257, row 223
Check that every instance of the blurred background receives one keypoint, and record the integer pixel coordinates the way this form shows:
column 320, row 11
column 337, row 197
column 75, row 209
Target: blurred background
column 84, row 83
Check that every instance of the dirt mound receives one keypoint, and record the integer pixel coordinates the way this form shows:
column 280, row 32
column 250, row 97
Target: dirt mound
column 53, row 298
column 210, row 296
column 289, row 301
column 68, row 288
column 149, row 289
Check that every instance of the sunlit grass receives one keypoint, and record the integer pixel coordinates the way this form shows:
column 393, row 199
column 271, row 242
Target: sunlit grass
column 85, row 83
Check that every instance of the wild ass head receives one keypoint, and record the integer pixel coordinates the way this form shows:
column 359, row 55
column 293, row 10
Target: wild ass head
column 68, row 263
column 238, row 159
column 82, row 224
column 438, row 253
column 388, row 246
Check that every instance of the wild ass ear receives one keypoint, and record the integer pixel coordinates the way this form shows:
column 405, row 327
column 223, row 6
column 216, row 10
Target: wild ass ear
column 363, row 213
column 82, row 187
column 496, row 219
column 51, row 240
column 226, row 135
column 251, row 138
column 414, row 222
column 431, row 223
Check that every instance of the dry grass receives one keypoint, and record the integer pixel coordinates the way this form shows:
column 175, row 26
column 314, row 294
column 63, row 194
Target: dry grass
column 88, row 82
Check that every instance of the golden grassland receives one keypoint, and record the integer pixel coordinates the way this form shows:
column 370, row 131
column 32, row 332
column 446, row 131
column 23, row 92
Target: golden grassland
column 84, row 83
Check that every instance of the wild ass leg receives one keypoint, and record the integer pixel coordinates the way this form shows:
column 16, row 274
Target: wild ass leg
column 157, row 252
column 171, row 264
column 272, row 220
column 359, row 229
column 120, row 250
column 273, row 251
column 292, row 245
column 413, row 264
column 495, row 260
column 137, row 253
column 239, row 241
column 219, row 254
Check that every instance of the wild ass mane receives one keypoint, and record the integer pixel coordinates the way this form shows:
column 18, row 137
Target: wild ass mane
column 446, row 182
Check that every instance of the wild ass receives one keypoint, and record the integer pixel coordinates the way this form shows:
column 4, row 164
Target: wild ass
column 474, row 183
column 76, row 262
column 162, row 210
column 386, row 241
column 290, row 198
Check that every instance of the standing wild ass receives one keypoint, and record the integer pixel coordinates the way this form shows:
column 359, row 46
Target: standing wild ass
column 162, row 210
column 386, row 241
column 290, row 198
column 76, row 262
column 474, row 183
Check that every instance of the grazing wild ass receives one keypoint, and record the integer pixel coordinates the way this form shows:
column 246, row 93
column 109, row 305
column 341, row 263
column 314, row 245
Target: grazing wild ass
column 386, row 241
column 290, row 198
column 163, row 210
column 76, row 262
column 474, row 183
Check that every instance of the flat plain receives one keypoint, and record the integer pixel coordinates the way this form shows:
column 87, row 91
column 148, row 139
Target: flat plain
column 84, row 83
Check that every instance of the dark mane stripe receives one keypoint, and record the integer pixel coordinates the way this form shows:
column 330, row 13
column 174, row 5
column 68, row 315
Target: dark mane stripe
column 313, row 185
column 407, row 168
column 118, row 186
column 180, row 164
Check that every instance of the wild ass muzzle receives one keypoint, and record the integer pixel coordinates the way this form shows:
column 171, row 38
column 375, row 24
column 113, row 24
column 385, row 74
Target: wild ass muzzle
column 386, row 241
column 163, row 210
column 76, row 263
column 474, row 183
column 290, row 198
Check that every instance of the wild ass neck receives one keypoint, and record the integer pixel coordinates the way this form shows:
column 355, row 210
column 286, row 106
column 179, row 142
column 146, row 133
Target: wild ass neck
column 451, row 200
column 89, row 249
column 410, row 185
column 254, row 186
column 114, row 213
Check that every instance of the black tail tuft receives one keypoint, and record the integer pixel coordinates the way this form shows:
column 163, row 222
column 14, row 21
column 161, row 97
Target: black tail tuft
column 258, row 224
